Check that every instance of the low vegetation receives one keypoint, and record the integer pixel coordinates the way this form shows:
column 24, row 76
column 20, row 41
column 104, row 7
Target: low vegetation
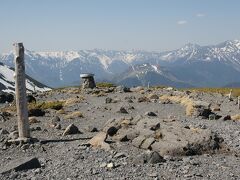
column 105, row 85
column 223, row 91
column 57, row 105
column 236, row 117
column 76, row 114
column 73, row 101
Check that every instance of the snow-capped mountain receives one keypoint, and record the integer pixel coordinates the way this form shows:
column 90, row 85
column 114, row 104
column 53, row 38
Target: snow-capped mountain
column 7, row 82
column 193, row 64
column 227, row 52
column 148, row 74
column 63, row 68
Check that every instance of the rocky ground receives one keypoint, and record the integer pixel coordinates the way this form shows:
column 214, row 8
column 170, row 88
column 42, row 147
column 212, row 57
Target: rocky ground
column 148, row 137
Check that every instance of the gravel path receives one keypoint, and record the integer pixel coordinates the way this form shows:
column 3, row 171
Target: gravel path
column 65, row 157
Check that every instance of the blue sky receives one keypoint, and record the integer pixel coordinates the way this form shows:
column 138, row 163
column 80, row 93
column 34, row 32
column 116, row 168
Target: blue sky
column 154, row 25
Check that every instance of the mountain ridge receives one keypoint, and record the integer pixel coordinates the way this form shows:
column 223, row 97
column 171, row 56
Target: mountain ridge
column 61, row 68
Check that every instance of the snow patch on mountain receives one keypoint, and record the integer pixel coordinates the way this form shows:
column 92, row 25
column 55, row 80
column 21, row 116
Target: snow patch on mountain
column 7, row 82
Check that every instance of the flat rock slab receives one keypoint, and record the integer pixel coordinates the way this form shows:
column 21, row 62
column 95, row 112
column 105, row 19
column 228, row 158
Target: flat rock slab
column 169, row 138
column 21, row 164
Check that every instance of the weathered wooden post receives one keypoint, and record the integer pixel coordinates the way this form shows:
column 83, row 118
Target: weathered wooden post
column 230, row 95
column 238, row 102
column 20, row 90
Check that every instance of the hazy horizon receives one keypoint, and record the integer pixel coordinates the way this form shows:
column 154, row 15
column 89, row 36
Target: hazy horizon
column 60, row 25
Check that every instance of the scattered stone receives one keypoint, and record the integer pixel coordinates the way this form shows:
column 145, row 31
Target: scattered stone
column 155, row 127
column 55, row 119
column 33, row 120
column 127, row 135
column 120, row 155
column 136, row 119
column 98, row 141
column 147, row 143
column 38, row 128
column 6, row 97
column 201, row 104
column 215, row 107
column 110, row 165
column 122, row 89
column 150, row 113
column 150, row 157
column 71, row 129
column 25, row 147
column 166, row 101
column 226, row 118
column 154, row 158
column 212, row 117
column 154, row 174
column 103, row 165
column 153, row 96
column 92, row 129
column 3, row 132
column 21, row 164
column 137, row 89
column 204, row 113
column 143, row 99
column 137, row 142
column 31, row 99
column 123, row 110
column 108, row 100
column 13, row 135
column 112, row 131
column 130, row 101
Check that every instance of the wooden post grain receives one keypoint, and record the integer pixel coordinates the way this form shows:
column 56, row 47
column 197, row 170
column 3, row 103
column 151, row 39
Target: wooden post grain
column 20, row 90
column 238, row 102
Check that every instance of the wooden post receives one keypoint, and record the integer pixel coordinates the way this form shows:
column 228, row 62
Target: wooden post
column 230, row 95
column 20, row 90
column 238, row 102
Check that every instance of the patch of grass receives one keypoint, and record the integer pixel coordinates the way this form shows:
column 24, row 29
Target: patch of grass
column 73, row 101
column 158, row 87
column 57, row 105
column 75, row 114
column 236, row 117
column 223, row 91
column 105, row 85
column 61, row 111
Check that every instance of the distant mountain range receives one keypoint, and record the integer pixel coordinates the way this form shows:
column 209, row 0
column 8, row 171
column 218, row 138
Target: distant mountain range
column 191, row 65
column 7, row 82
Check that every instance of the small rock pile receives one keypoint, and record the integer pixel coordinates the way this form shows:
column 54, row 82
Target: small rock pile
column 163, row 136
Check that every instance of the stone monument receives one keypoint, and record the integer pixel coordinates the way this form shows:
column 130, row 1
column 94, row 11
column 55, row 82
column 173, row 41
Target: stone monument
column 87, row 81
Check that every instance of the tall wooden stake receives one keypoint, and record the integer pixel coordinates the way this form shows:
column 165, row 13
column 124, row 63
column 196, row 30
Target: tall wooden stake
column 20, row 90
column 230, row 95
column 238, row 102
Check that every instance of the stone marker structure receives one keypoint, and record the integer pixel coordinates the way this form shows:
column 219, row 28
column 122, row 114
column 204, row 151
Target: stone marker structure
column 20, row 90
column 87, row 81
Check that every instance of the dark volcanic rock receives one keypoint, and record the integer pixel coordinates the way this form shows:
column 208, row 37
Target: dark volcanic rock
column 36, row 112
column 31, row 99
column 21, row 164
column 71, row 129
column 150, row 113
column 6, row 97
column 112, row 131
